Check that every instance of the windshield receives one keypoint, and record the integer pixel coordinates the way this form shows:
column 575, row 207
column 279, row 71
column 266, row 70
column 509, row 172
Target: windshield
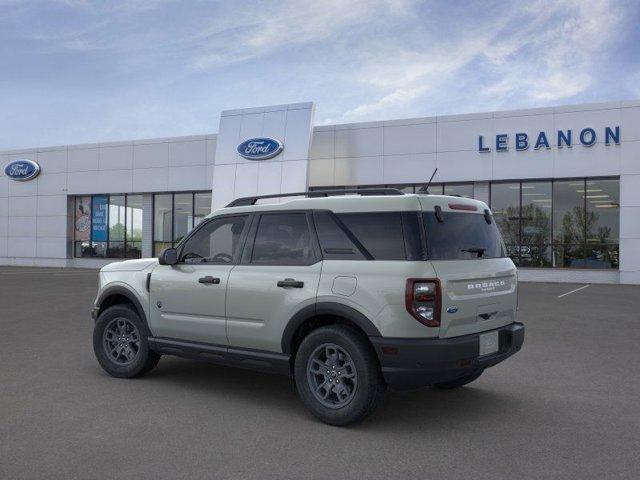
column 462, row 236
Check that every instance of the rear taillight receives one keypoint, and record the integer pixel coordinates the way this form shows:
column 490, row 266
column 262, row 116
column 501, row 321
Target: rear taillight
column 422, row 299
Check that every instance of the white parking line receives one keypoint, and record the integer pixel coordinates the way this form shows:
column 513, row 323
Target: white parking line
column 573, row 291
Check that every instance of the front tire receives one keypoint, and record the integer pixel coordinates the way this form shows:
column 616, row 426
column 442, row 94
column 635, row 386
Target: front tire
column 120, row 344
column 337, row 375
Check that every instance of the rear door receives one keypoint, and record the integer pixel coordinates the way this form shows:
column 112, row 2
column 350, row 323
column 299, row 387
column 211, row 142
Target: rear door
column 278, row 275
column 478, row 282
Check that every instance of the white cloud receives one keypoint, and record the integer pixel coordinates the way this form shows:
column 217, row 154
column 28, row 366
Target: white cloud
column 244, row 33
column 543, row 52
column 162, row 67
column 552, row 59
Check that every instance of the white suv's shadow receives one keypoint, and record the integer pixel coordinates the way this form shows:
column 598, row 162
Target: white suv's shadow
column 413, row 410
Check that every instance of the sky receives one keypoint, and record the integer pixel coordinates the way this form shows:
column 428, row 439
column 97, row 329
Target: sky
column 79, row 71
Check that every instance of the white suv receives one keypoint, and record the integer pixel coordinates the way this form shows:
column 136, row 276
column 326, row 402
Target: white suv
column 348, row 292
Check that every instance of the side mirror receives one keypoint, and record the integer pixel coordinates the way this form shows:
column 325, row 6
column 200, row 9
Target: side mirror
column 169, row 256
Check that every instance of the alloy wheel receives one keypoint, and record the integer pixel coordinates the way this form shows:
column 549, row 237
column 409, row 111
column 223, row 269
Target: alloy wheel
column 332, row 375
column 121, row 341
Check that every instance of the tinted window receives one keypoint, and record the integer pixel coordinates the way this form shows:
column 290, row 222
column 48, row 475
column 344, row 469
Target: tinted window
column 569, row 223
column 218, row 241
column 535, row 235
column 282, row 239
column 334, row 242
column 505, row 205
column 602, row 223
column 379, row 232
column 459, row 233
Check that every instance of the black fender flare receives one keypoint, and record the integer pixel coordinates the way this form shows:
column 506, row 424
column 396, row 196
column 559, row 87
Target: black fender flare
column 326, row 308
column 129, row 295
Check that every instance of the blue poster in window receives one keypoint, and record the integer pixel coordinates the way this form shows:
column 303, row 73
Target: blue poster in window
column 99, row 218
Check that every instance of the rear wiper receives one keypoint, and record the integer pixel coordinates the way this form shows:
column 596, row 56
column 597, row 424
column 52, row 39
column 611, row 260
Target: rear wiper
column 479, row 250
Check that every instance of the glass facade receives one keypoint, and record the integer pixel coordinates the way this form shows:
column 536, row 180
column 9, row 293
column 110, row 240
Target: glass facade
column 108, row 226
column 544, row 223
column 560, row 223
column 175, row 215
column 548, row 223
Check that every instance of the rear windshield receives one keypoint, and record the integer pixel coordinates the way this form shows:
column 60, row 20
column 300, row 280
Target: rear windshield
column 462, row 236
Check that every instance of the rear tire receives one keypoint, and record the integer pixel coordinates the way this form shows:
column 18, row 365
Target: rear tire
column 458, row 382
column 120, row 344
column 337, row 375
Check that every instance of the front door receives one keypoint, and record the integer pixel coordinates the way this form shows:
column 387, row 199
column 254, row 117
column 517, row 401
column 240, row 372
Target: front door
column 187, row 300
column 278, row 276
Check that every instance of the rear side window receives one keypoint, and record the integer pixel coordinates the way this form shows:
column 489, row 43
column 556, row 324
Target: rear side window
column 461, row 236
column 379, row 232
column 334, row 240
column 282, row 239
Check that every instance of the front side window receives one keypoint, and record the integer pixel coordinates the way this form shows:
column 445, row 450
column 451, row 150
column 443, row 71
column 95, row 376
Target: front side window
column 282, row 239
column 461, row 236
column 217, row 241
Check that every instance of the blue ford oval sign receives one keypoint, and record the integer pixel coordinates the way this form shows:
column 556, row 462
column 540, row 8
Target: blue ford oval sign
column 22, row 170
column 260, row 148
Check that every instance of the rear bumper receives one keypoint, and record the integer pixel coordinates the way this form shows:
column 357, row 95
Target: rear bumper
column 417, row 362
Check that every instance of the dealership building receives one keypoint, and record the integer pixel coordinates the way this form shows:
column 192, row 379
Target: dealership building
column 562, row 182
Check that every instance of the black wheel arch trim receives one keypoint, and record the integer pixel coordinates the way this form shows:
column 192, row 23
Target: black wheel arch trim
column 326, row 308
column 129, row 295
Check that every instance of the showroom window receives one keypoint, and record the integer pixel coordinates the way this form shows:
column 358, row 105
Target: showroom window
column 108, row 226
column 175, row 215
column 564, row 223
column 505, row 205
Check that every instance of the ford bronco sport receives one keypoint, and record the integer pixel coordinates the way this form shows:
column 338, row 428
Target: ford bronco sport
column 348, row 292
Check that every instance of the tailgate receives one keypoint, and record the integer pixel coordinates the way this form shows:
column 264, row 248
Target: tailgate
column 477, row 295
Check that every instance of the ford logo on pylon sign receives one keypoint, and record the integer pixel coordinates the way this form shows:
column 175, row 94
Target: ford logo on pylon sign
column 22, row 170
column 260, row 148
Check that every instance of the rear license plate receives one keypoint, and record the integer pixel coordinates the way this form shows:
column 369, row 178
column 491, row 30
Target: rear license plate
column 489, row 343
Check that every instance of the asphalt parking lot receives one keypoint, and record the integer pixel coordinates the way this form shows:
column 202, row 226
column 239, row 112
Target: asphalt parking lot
column 566, row 406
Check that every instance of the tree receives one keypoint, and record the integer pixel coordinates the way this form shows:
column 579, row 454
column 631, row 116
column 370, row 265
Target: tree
column 116, row 232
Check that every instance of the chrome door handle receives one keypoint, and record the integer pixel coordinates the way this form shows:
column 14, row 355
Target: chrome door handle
column 209, row 280
column 290, row 282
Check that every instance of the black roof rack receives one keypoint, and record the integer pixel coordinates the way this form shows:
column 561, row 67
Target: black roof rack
column 245, row 201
